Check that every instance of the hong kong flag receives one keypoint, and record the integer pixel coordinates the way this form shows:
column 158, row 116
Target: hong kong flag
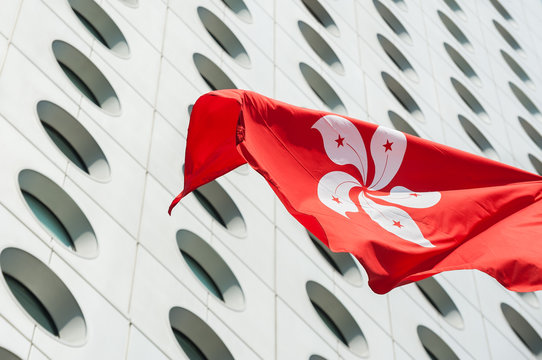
column 405, row 207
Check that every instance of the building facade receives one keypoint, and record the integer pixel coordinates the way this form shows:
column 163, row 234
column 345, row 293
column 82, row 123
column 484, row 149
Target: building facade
column 95, row 99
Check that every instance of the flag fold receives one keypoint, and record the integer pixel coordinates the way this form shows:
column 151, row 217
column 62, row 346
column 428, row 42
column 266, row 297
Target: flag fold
column 405, row 207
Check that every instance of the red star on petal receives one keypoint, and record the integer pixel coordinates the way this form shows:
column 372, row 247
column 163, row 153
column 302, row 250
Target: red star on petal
column 387, row 145
column 398, row 224
column 339, row 141
column 336, row 199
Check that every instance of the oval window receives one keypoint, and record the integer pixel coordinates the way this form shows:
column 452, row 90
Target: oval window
column 392, row 21
column 510, row 40
column 517, row 69
column 523, row 330
column 195, row 337
column 501, row 10
column 100, row 25
column 525, row 100
column 321, row 47
column 470, row 100
column 531, row 132
column 478, row 138
column 210, row 269
column 434, row 346
column 530, row 298
column 455, row 31
column 73, row 140
column 58, row 213
column 43, row 296
column 402, row 96
column 397, row 57
column 322, row 89
column 224, row 37
column 401, row 4
column 240, row 9
column 86, row 77
column 322, row 16
column 441, row 301
column 462, row 64
column 401, row 124
column 221, row 207
column 337, row 319
column 537, row 164
column 454, row 6
column 213, row 76
column 343, row 263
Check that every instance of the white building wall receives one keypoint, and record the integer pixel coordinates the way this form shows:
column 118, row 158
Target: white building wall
column 128, row 285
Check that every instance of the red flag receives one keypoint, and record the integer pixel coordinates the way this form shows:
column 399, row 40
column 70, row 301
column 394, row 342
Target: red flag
column 405, row 207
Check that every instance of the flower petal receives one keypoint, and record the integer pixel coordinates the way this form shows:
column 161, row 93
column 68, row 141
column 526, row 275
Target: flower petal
column 394, row 220
column 402, row 196
column 387, row 149
column 343, row 142
column 334, row 189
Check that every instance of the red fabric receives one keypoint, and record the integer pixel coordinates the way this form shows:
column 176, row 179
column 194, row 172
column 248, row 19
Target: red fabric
column 412, row 209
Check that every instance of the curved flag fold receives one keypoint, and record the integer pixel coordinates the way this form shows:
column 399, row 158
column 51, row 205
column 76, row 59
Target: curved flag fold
column 405, row 207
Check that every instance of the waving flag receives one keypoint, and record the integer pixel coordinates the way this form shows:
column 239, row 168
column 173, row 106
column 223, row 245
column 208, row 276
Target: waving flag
column 405, row 207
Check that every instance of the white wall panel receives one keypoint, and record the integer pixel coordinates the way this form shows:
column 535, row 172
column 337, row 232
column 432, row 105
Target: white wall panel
column 138, row 274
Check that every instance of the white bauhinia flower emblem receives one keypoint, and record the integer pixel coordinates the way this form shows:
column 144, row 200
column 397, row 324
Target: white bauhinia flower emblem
column 344, row 145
